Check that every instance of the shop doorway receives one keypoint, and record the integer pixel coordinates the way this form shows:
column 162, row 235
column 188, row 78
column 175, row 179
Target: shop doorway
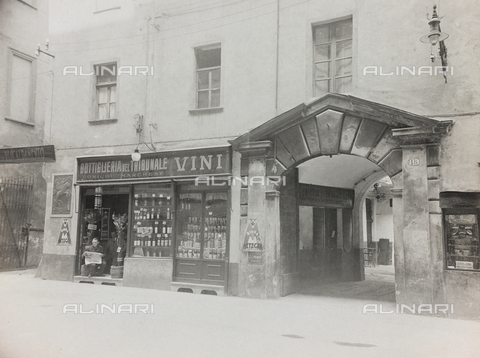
column 100, row 206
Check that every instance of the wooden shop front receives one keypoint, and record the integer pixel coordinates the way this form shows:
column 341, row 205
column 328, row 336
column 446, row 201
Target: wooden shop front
column 174, row 207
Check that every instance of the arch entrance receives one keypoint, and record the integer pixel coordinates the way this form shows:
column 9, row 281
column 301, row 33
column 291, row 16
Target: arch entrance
column 330, row 152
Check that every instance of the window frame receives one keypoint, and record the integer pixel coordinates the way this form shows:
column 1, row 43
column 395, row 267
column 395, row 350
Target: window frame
column 95, row 95
column 210, row 70
column 31, row 102
column 332, row 78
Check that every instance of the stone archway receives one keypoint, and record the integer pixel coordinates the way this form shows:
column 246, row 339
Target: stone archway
column 403, row 144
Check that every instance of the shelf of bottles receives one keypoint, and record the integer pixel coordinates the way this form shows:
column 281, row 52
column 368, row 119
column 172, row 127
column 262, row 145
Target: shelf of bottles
column 202, row 226
column 152, row 222
column 462, row 242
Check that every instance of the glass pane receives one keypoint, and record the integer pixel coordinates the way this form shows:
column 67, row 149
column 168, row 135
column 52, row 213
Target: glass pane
column 344, row 48
column 216, row 78
column 322, row 52
column 321, row 87
column 215, row 98
column 343, row 67
column 322, row 70
column 113, row 93
column 203, row 79
column 343, row 30
column 21, row 88
column 208, row 58
column 106, row 73
column 322, row 34
column 215, row 238
column 202, row 99
column 343, row 85
column 112, row 110
column 103, row 111
column 189, row 221
column 102, row 93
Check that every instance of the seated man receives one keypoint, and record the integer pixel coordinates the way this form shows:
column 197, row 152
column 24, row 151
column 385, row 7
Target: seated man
column 95, row 269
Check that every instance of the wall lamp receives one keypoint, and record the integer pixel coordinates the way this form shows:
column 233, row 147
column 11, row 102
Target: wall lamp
column 139, row 124
column 436, row 36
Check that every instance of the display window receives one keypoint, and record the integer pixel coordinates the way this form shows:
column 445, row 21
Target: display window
column 462, row 239
column 152, row 229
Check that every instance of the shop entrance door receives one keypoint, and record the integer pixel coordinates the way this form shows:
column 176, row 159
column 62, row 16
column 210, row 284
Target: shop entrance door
column 97, row 220
column 201, row 238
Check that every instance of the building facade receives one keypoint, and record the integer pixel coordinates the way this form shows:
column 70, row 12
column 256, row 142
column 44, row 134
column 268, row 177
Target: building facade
column 202, row 137
column 25, row 92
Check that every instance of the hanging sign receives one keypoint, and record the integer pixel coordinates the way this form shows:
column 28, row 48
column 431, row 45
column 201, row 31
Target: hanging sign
column 64, row 236
column 35, row 154
column 252, row 241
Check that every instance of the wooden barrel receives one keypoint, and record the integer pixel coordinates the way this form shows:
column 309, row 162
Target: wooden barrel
column 116, row 271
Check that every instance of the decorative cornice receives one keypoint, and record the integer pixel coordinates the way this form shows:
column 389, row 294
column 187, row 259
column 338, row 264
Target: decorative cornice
column 254, row 148
column 422, row 135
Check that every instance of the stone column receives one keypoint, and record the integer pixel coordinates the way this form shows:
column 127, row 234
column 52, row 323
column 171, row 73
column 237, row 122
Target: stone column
column 259, row 271
column 417, row 223
column 416, row 231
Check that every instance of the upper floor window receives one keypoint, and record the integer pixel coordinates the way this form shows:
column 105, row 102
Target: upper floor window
column 106, row 90
column 333, row 57
column 21, row 87
column 208, row 76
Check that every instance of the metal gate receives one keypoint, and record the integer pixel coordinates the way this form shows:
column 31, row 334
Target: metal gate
column 15, row 208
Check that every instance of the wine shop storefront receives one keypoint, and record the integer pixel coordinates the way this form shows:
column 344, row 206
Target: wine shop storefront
column 158, row 221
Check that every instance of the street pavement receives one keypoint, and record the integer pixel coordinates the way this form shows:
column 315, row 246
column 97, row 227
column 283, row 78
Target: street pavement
column 33, row 324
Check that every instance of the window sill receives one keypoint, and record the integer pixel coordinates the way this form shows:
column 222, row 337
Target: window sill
column 20, row 121
column 206, row 110
column 103, row 121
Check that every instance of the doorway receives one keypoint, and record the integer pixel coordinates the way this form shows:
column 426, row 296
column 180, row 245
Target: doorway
column 99, row 206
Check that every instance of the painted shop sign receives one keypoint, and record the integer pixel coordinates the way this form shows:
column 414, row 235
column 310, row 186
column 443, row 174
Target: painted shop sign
column 316, row 195
column 41, row 153
column 156, row 165
column 252, row 240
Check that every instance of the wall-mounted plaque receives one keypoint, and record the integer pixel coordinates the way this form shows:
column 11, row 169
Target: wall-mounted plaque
column 62, row 195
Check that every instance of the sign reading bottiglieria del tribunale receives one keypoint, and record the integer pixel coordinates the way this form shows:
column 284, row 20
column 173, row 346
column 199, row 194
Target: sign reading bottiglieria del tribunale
column 198, row 162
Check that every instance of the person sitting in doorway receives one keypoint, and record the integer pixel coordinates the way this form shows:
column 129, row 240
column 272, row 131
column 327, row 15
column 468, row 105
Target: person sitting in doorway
column 95, row 269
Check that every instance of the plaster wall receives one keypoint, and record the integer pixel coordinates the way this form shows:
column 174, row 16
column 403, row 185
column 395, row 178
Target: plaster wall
column 22, row 27
column 164, row 36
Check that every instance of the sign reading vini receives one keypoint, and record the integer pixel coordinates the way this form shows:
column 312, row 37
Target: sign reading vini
column 156, row 165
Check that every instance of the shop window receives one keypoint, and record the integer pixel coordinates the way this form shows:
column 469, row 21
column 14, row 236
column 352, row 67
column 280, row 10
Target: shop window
column 461, row 239
column 152, row 224
column 332, row 51
column 208, row 74
column 21, row 87
column 106, row 91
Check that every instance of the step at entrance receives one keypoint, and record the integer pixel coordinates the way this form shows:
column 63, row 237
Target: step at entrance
column 99, row 280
